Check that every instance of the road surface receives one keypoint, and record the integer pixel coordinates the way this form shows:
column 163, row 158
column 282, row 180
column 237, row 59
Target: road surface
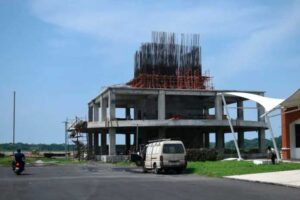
column 103, row 181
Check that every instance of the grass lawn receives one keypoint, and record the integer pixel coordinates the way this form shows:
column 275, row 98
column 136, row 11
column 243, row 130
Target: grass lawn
column 6, row 161
column 227, row 168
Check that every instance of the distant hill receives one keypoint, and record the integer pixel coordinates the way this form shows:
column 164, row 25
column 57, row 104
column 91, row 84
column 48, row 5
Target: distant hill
column 33, row 147
column 249, row 144
column 253, row 144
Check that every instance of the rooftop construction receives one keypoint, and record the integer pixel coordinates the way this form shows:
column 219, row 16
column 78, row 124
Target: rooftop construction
column 169, row 97
column 164, row 63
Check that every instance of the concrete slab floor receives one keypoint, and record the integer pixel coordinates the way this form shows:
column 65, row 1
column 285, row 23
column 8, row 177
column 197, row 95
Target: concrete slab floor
column 286, row 178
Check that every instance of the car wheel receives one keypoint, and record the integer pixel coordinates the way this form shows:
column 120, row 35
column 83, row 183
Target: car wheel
column 144, row 170
column 155, row 169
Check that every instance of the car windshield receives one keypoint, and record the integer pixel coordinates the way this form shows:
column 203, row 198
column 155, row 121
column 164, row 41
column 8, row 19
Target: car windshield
column 173, row 148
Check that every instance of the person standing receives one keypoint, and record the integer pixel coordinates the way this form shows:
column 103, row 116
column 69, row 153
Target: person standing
column 271, row 154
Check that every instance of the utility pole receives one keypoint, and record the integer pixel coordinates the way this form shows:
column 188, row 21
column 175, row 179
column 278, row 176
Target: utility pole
column 14, row 119
column 66, row 138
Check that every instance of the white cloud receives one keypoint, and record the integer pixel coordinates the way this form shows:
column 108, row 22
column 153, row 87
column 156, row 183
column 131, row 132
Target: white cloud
column 248, row 32
column 129, row 21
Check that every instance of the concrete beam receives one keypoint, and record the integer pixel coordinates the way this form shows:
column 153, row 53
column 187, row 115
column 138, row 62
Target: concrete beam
column 171, row 123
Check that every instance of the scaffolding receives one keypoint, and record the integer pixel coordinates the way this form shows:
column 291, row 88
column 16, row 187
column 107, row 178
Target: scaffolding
column 78, row 136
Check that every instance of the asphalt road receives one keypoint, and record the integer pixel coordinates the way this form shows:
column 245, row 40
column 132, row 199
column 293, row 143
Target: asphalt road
column 101, row 181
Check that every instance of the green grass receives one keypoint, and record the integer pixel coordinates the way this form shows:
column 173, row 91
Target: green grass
column 227, row 168
column 6, row 161
column 125, row 164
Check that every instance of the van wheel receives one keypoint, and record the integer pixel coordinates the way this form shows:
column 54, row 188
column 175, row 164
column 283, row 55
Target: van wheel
column 144, row 170
column 155, row 169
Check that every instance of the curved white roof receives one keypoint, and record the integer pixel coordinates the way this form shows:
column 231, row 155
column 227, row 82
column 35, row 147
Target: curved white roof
column 268, row 103
column 292, row 101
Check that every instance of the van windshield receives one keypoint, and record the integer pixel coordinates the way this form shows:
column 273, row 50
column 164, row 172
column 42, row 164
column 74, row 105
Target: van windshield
column 173, row 148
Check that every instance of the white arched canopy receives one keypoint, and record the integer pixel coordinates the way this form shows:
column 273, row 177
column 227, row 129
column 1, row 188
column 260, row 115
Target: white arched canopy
column 268, row 103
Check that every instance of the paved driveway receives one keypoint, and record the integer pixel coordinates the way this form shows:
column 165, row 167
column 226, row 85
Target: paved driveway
column 102, row 181
column 288, row 178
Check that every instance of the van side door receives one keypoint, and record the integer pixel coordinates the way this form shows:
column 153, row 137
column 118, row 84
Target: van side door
column 148, row 163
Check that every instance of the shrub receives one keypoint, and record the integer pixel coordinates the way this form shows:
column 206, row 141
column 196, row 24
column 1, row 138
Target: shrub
column 201, row 154
column 35, row 152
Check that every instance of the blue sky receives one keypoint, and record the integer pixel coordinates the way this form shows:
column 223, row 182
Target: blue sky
column 57, row 54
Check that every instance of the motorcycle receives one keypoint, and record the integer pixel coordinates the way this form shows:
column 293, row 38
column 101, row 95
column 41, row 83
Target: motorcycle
column 18, row 167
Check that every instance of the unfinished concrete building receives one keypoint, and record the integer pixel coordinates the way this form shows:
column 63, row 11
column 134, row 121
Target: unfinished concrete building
column 169, row 97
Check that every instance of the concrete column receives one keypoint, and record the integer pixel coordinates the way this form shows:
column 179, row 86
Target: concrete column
column 197, row 139
column 240, row 110
column 111, row 106
column 90, row 113
column 103, row 104
column 103, row 143
column 218, row 107
column 161, row 133
column 161, row 105
column 206, row 140
column 261, row 131
column 112, row 141
column 241, row 139
column 205, row 113
column 96, row 144
column 219, row 139
column 240, row 116
column 127, row 113
column 136, row 113
column 89, row 145
column 261, row 141
column 95, row 113
column 127, row 142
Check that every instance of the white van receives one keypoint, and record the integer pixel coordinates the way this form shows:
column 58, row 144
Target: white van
column 165, row 155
